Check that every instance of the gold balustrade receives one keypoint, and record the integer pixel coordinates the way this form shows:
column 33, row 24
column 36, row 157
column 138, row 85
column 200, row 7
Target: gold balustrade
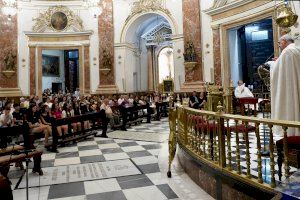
column 208, row 136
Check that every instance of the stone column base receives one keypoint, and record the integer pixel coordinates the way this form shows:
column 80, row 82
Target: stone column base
column 107, row 89
column 197, row 86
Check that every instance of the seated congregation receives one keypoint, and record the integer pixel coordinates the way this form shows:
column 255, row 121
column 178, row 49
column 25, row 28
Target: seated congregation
column 63, row 118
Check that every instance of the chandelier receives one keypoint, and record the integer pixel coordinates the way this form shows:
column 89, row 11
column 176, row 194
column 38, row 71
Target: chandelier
column 95, row 6
column 9, row 8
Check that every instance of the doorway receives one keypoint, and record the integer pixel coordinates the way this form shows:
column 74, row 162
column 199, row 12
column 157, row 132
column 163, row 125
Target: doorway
column 165, row 64
column 60, row 70
column 250, row 46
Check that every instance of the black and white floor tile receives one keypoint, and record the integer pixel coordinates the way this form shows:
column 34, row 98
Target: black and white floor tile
column 149, row 182
column 148, row 157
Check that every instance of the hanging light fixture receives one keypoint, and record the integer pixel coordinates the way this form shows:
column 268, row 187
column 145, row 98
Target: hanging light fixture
column 9, row 8
column 285, row 17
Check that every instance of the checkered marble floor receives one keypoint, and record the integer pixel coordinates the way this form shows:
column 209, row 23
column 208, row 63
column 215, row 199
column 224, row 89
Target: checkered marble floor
column 150, row 184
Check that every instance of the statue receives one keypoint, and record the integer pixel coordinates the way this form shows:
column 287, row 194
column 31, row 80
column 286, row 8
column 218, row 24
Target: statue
column 106, row 60
column 10, row 60
column 190, row 54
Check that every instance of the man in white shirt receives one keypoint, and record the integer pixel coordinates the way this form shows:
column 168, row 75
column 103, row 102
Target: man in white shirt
column 6, row 119
column 241, row 91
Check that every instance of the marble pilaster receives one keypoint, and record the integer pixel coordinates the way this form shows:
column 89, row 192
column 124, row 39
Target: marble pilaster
column 150, row 68
column 106, row 42
column 192, row 33
column 8, row 43
column 217, row 55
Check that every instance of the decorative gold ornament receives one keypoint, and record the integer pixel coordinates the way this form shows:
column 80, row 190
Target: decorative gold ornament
column 190, row 65
column 58, row 18
column 285, row 17
column 143, row 6
column 8, row 73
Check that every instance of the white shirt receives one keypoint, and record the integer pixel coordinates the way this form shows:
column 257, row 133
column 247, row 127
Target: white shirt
column 120, row 101
column 49, row 104
column 107, row 109
column 5, row 119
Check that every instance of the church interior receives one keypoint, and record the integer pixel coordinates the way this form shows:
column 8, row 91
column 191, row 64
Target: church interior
column 149, row 99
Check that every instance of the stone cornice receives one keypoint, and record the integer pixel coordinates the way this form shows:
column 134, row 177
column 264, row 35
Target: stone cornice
column 235, row 4
column 58, row 34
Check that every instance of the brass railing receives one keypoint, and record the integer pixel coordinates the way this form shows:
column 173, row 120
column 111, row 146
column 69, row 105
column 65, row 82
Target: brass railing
column 208, row 136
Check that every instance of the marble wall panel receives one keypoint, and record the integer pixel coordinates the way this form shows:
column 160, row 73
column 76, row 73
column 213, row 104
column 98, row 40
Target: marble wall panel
column 8, row 41
column 192, row 32
column 106, row 41
column 32, row 70
column 217, row 56
column 87, row 75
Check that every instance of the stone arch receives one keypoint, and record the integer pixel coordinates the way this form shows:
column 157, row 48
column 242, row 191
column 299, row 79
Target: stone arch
column 134, row 20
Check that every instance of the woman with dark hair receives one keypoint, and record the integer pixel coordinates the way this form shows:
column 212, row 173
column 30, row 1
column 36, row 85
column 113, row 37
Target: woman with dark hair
column 46, row 115
column 35, row 123
column 75, row 106
column 67, row 111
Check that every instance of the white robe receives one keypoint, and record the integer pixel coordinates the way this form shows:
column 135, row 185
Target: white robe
column 285, row 88
column 242, row 92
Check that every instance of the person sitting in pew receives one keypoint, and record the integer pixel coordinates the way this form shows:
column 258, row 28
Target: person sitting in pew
column 56, row 113
column 35, row 124
column 6, row 119
column 18, row 116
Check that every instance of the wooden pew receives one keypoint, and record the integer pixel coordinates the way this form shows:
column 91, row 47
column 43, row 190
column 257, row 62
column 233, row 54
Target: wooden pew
column 98, row 120
column 17, row 153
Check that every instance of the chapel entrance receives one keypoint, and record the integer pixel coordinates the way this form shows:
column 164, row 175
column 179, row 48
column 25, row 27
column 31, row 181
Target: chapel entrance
column 250, row 46
column 60, row 70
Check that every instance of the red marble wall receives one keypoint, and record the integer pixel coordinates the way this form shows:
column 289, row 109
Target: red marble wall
column 217, row 56
column 87, row 75
column 8, row 40
column 192, row 32
column 106, row 41
column 32, row 70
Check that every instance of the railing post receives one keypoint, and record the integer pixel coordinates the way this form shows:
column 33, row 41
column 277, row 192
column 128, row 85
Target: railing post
column 185, row 128
column 221, row 141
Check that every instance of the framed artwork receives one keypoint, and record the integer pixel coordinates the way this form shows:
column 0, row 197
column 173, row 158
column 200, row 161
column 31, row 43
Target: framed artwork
column 168, row 86
column 50, row 65
column 59, row 21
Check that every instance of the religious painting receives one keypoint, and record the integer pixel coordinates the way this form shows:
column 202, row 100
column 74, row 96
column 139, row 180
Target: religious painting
column 50, row 65
column 59, row 21
column 168, row 86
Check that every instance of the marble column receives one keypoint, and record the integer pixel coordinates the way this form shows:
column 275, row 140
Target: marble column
column 87, row 71
column 150, row 68
column 106, row 42
column 9, row 46
column 192, row 33
column 32, row 89
column 217, row 54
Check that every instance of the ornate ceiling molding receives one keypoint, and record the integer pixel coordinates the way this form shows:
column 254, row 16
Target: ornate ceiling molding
column 58, row 19
column 144, row 6
column 221, row 6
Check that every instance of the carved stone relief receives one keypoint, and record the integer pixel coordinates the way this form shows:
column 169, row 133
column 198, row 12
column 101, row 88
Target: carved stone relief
column 142, row 6
column 58, row 19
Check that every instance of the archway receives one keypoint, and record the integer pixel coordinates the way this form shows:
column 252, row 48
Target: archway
column 142, row 38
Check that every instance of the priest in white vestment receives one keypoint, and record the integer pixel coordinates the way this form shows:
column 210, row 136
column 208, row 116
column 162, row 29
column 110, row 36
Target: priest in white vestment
column 241, row 91
column 285, row 85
